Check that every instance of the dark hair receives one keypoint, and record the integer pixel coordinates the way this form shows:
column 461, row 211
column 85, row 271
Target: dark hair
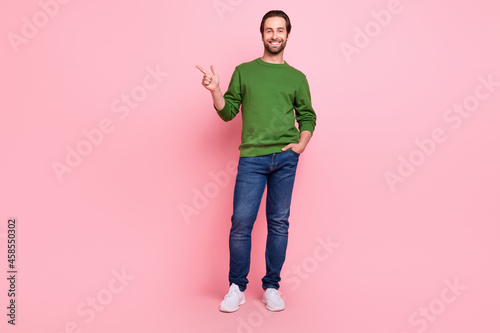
column 276, row 13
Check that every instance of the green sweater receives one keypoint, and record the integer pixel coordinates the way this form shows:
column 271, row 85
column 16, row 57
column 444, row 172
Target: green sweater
column 268, row 94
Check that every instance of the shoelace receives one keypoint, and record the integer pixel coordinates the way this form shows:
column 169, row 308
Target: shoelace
column 275, row 291
column 229, row 293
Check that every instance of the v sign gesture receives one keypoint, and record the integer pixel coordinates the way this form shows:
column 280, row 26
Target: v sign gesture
column 210, row 81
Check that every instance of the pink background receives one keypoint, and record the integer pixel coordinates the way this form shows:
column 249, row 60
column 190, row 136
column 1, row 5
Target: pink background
column 397, row 250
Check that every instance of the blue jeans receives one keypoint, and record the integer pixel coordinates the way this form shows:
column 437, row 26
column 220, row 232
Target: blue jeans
column 278, row 172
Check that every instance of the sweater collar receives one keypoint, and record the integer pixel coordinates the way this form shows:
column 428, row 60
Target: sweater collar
column 268, row 64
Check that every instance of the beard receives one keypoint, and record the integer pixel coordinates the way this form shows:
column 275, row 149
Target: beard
column 274, row 49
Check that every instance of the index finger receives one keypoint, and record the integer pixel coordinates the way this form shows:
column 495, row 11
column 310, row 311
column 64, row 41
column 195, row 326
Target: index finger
column 203, row 70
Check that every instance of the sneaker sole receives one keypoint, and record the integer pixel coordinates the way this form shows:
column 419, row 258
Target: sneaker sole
column 243, row 301
column 271, row 309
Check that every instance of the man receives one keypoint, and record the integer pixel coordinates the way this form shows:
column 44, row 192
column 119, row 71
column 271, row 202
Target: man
column 268, row 90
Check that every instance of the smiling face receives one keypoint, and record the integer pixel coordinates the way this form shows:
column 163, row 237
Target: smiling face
column 275, row 35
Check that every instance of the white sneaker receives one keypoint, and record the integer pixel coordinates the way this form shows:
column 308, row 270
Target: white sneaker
column 233, row 299
column 273, row 301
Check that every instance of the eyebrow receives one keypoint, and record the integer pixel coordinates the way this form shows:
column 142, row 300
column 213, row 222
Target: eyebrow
column 276, row 28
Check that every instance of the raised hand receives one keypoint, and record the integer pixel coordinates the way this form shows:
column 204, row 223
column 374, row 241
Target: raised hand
column 210, row 80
